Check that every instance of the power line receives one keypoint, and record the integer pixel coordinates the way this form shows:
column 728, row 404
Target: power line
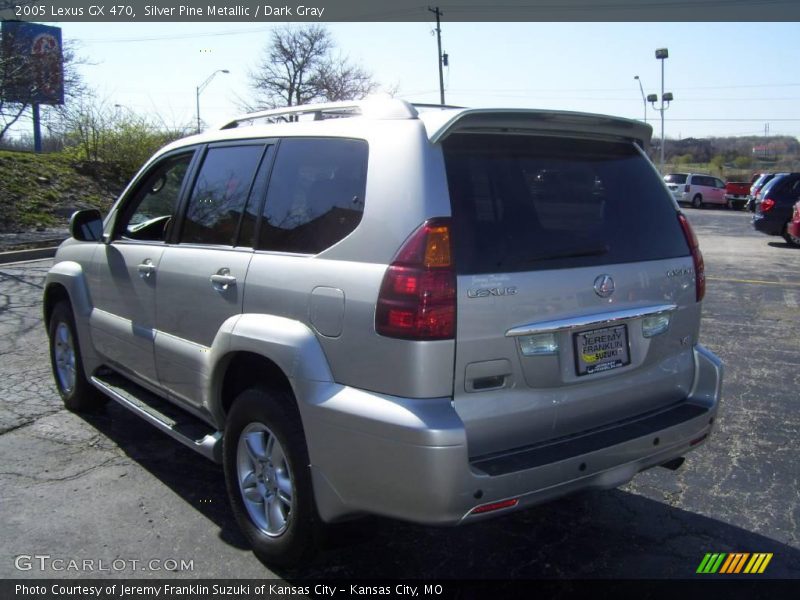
column 184, row 36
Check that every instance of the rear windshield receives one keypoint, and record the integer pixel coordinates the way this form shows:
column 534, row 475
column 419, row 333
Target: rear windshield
column 526, row 203
column 676, row 178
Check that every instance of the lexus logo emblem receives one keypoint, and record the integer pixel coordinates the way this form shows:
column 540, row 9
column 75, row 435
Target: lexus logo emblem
column 604, row 286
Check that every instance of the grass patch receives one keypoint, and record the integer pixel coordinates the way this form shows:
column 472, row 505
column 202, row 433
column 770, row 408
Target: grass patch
column 43, row 190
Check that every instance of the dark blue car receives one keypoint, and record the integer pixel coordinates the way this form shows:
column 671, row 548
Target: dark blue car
column 774, row 207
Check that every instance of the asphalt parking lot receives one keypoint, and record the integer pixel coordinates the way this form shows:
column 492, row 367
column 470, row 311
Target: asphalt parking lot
column 108, row 487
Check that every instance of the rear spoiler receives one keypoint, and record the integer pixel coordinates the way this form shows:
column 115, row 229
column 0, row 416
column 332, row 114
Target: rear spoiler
column 483, row 120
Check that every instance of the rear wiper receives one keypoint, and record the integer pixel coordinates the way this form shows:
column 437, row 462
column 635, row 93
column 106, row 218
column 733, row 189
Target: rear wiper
column 576, row 253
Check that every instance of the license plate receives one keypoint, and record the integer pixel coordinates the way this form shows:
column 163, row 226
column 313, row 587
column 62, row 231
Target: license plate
column 601, row 350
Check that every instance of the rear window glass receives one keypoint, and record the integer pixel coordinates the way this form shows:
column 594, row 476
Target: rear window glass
column 526, row 203
column 676, row 178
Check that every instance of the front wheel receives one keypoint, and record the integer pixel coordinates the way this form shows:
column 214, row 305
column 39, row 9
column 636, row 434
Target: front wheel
column 268, row 476
column 65, row 357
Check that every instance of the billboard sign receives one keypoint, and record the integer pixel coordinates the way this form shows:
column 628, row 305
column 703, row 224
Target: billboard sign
column 32, row 63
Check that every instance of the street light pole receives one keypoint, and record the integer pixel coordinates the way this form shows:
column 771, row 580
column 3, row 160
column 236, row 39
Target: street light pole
column 200, row 89
column 644, row 100
column 662, row 54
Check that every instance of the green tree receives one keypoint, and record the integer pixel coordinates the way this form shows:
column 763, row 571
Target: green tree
column 93, row 131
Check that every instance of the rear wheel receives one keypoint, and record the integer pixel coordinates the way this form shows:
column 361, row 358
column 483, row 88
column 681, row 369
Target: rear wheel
column 65, row 357
column 697, row 201
column 268, row 476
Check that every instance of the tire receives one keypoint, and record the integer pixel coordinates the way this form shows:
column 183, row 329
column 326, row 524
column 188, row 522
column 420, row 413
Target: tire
column 789, row 238
column 65, row 357
column 268, row 477
column 697, row 201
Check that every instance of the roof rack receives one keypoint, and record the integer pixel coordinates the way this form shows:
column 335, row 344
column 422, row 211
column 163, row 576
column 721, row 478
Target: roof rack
column 371, row 107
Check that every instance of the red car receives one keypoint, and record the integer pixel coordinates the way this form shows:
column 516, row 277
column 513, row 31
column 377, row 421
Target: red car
column 793, row 227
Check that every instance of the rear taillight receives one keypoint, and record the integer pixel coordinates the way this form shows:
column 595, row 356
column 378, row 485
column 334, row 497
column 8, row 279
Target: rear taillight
column 417, row 300
column 686, row 188
column 697, row 257
column 767, row 204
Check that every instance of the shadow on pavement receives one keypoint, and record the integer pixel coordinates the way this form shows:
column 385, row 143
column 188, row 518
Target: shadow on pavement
column 782, row 245
column 602, row 534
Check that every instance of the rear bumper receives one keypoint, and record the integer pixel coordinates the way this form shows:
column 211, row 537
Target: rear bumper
column 767, row 223
column 408, row 459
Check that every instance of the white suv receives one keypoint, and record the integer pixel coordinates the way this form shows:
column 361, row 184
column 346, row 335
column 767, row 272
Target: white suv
column 696, row 189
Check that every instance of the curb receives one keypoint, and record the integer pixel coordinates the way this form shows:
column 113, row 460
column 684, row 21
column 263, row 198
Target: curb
column 23, row 255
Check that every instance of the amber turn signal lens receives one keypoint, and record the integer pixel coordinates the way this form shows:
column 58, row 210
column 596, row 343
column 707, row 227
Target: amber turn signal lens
column 437, row 247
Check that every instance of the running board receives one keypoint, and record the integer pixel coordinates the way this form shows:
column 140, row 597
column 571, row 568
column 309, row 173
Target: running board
column 178, row 424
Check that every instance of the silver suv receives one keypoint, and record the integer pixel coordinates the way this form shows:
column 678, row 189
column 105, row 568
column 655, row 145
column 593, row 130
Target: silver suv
column 433, row 314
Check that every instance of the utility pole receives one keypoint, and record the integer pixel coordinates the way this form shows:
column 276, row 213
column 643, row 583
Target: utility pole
column 438, row 14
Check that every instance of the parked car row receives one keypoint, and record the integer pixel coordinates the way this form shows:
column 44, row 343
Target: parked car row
column 699, row 190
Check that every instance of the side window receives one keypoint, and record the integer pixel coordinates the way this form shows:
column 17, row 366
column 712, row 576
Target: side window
column 794, row 189
column 220, row 194
column 315, row 196
column 147, row 216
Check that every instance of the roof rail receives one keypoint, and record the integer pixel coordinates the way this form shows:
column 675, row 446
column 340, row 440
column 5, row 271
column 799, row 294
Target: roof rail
column 433, row 106
column 371, row 107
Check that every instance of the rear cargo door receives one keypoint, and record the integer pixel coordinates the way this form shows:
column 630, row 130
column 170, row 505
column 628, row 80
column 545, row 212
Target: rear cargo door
column 576, row 297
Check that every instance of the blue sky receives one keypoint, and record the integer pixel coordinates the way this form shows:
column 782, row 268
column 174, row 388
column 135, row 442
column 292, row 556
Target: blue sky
column 727, row 78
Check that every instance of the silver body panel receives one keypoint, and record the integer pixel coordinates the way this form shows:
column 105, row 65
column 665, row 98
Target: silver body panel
column 395, row 427
column 542, row 397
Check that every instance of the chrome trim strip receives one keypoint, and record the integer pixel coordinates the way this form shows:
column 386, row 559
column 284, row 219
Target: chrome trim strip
column 598, row 319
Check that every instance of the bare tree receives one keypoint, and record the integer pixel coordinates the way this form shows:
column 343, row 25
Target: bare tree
column 338, row 79
column 298, row 67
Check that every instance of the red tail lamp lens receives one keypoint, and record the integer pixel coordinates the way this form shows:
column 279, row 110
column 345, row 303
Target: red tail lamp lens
column 417, row 300
column 697, row 257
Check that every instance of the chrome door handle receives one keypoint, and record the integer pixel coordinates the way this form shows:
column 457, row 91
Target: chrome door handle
column 222, row 280
column 146, row 269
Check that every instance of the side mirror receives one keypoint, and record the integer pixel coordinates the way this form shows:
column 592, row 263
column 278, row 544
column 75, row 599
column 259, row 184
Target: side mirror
column 86, row 225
